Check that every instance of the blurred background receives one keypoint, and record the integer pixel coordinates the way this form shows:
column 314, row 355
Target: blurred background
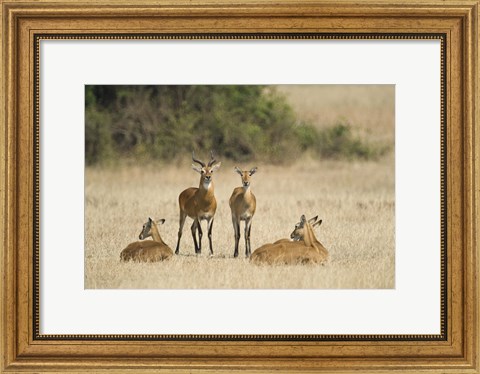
column 273, row 124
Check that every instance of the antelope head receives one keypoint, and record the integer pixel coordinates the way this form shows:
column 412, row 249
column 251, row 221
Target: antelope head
column 205, row 170
column 147, row 228
column 299, row 231
column 246, row 175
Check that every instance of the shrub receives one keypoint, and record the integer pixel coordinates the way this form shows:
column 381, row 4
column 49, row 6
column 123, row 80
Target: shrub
column 338, row 141
column 98, row 141
column 307, row 136
column 241, row 123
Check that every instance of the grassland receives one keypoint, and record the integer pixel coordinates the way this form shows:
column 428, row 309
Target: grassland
column 356, row 201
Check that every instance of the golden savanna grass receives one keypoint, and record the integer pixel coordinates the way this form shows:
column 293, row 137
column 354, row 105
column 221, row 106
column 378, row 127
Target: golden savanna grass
column 355, row 199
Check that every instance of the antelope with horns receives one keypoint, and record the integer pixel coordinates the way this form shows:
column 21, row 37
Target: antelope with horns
column 243, row 204
column 199, row 203
column 305, row 250
column 148, row 250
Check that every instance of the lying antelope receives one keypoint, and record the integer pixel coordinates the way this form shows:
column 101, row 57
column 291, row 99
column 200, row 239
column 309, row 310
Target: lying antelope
column 243, row 204
column 306, row 249
column 296, row 235
column 148, row 250
column 199, row 203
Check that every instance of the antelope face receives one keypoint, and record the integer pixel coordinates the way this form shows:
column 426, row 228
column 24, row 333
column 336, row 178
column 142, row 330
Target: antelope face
column 299, row 232
column 205, row 170
column 206, row 173
column 246, row 175
column 147, row 228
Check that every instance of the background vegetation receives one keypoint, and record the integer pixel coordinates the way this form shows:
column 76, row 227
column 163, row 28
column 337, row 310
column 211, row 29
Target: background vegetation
column 241, row 123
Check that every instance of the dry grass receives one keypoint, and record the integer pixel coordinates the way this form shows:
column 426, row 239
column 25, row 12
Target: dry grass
column 355, row 200
column 369, row 109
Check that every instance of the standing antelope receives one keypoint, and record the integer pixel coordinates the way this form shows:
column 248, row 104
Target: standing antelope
column 243, row 204
column 148, row 250
column 199, row 203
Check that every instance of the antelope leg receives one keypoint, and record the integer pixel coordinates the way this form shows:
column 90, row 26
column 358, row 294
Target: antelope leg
column 248, row 227
column 194, row 228
column 236, row 229
column 210, row 226
column 200, row 234
column 180, row 230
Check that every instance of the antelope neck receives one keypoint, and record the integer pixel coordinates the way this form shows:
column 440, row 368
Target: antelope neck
column 155, row 234
column 309, row 237
column 312, row 239
column 206, row 191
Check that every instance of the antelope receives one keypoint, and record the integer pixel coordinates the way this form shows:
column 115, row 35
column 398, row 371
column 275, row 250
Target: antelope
column 243, row 204
column 199, row 203
column 296, row 235
column 299, row 231
column 148, row 250
column 305, row 249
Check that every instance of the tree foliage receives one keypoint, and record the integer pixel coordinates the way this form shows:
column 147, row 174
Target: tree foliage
column 239, row 122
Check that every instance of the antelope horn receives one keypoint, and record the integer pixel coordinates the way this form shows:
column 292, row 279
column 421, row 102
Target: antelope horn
column 212, row 159
column 197, row 161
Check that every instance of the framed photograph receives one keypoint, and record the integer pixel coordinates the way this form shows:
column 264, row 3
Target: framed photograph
column 244, row 186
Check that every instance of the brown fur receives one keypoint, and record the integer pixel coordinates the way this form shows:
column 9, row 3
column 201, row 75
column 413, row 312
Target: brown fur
column 292, row 253
column 242, row 205
column 284, row 252
column 147, row 250
column 199, row 204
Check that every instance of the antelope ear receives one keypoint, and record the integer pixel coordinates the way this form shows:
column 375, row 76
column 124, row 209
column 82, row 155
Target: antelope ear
column 196, row 168
column 238, row 170
column 317, row 223
column 150, row 220
column 303, row 219
column 161, row 221
column 312, row 220
column 253, row 171
column 216, row 166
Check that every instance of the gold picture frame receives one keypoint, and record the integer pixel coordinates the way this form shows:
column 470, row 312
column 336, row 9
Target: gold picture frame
column 24, row 23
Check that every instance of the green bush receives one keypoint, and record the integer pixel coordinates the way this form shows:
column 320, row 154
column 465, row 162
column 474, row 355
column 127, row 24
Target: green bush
column 241, row 123
column 339, row 142
column 98, row 141
column 307, row 136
